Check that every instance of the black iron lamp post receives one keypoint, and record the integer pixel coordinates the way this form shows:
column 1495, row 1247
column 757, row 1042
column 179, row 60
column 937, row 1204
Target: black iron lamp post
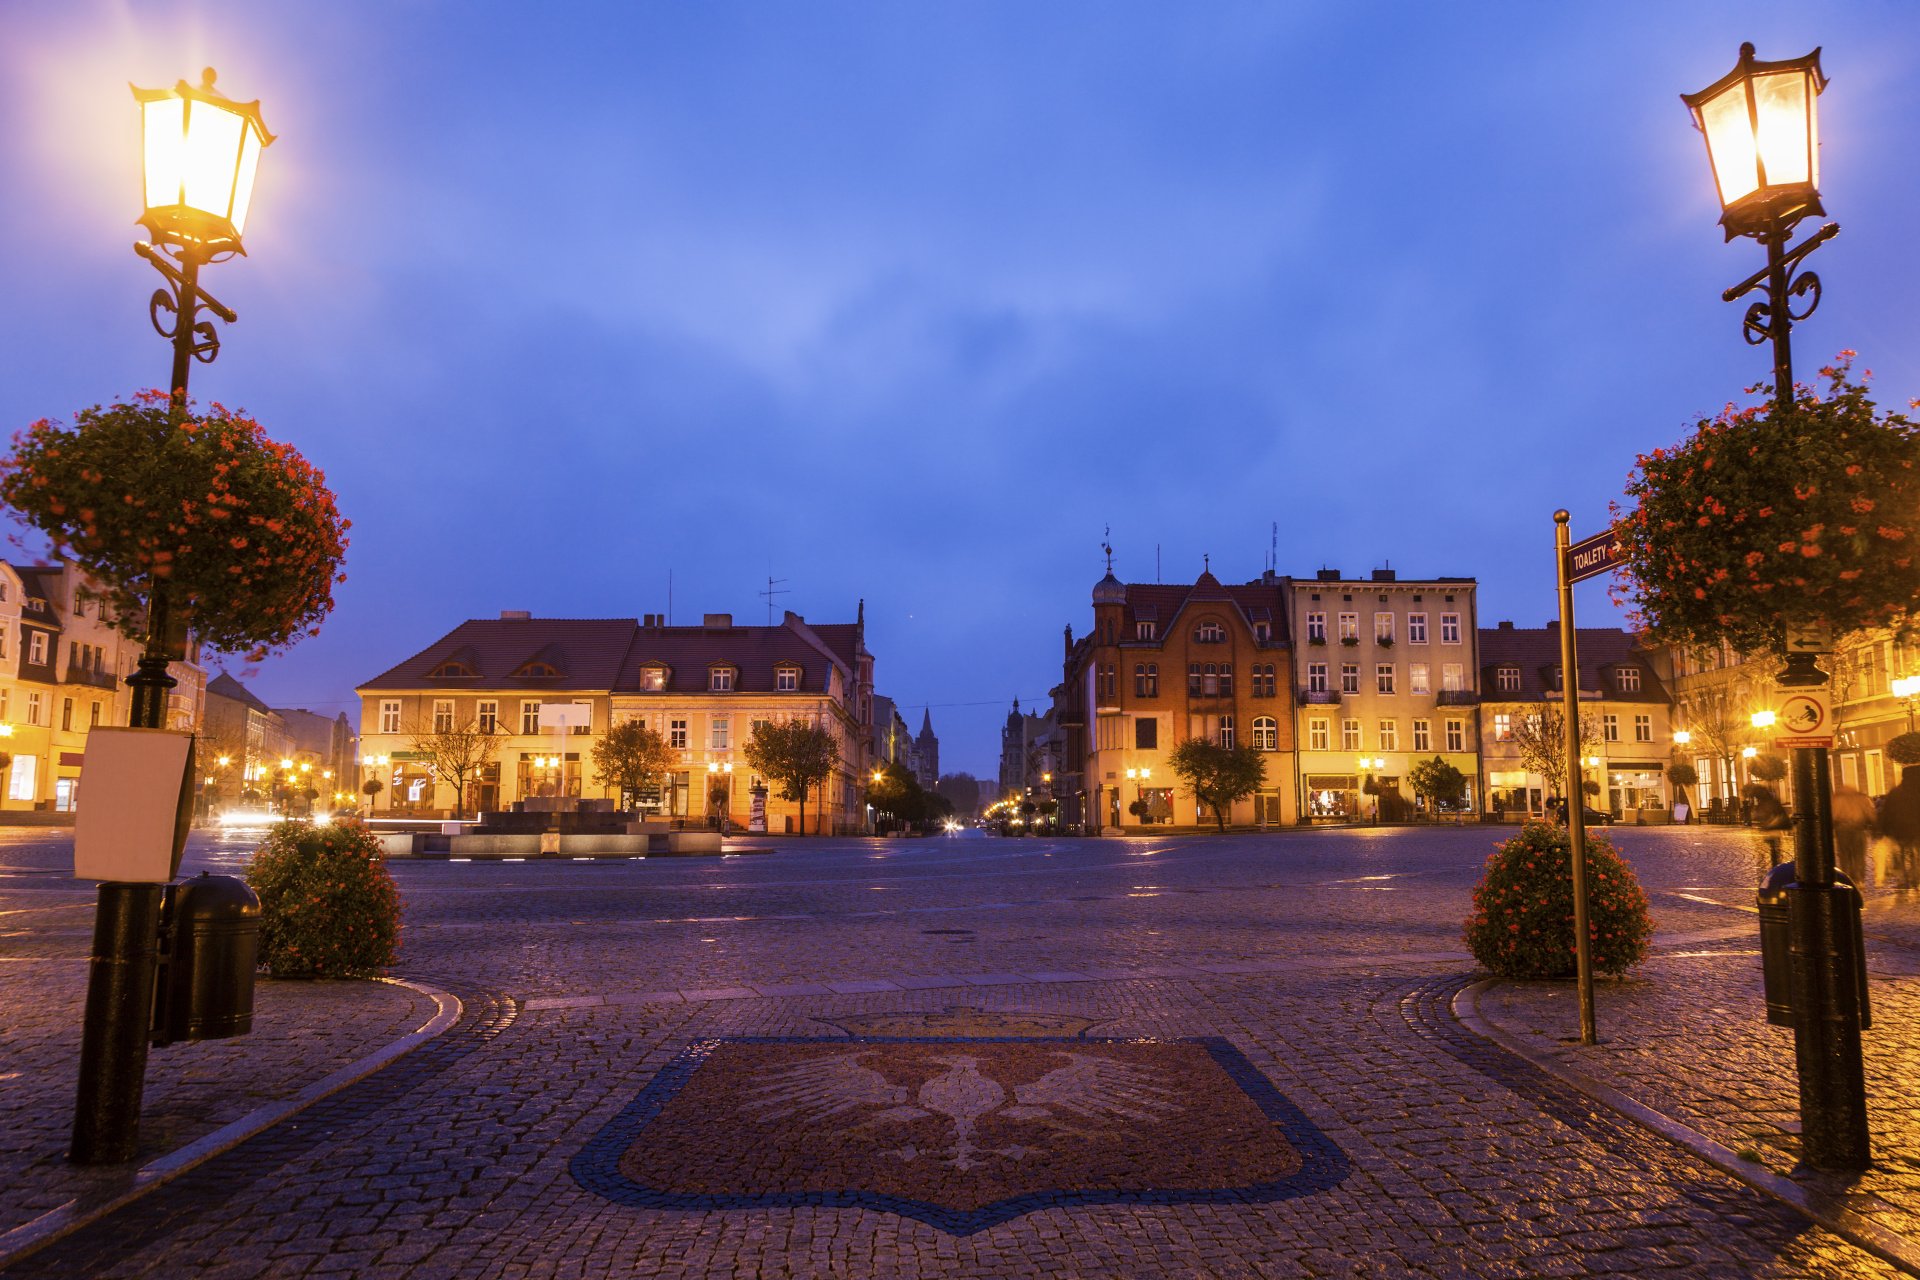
column 1761, row 123
column 201, row 154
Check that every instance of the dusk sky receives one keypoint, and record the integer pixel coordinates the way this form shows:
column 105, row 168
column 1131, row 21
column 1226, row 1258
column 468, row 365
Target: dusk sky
column 910, row 302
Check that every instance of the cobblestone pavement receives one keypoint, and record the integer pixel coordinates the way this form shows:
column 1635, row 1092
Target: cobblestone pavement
column 1324, row 960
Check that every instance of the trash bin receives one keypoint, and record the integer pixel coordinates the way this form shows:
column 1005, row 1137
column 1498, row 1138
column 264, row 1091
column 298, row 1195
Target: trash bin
column 212, row 946
column 1776, row 943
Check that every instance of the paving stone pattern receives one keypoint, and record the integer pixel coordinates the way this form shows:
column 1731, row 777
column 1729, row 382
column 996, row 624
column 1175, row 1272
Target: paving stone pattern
column 1463, row 1159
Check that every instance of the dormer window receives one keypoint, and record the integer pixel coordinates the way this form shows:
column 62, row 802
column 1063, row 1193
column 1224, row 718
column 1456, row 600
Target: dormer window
column 1628, row 679
column 786, row 679
column 1508, row 679
column 653, row 679
column 720, row 679
column 537, row 670
column 1143, row 631
column 453, row 669
column 1263, row 631
column 1210, row 632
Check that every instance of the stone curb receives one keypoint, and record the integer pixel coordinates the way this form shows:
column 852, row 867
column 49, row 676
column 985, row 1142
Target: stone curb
column 73, row 1215
column 1828, row 1211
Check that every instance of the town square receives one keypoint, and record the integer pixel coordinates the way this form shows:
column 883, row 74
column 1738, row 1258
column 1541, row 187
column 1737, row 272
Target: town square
column 959, row 640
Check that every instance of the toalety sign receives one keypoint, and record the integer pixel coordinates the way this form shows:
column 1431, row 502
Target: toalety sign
column 1593, row 555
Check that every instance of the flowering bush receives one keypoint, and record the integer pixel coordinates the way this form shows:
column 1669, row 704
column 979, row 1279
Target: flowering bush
column 242, row 531
column 1522, row 922
column 328, row 907
column 1765, row 518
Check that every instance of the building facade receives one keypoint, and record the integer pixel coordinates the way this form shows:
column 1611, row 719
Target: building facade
column 702, row 688
column 1386, row 674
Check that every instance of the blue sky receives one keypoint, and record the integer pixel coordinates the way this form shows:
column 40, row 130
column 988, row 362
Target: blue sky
column 910, row 302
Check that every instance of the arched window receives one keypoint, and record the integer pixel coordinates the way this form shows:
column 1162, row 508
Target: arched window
column 453, row 669
column 1211, row 686
column 1226, row 679
column 1266, row 734
column 1210, row 632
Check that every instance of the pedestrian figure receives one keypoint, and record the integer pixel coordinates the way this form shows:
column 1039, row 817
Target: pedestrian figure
column 1852, row 825
column 1900, row 823
column 1768, row 817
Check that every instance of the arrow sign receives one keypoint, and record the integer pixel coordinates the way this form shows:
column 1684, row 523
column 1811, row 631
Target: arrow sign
column 1593, row 555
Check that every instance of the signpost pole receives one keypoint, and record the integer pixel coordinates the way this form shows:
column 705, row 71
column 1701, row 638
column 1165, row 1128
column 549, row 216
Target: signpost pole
column 1575, row 800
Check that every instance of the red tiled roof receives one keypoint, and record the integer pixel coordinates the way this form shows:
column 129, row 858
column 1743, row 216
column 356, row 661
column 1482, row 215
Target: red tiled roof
column 1161, row 602
column 1536, row 651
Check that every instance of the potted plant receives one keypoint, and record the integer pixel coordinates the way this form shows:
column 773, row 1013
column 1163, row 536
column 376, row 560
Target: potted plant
column 1352, row 642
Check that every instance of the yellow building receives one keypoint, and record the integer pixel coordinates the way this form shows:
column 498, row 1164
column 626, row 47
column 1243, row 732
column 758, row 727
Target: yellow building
column 701, row 687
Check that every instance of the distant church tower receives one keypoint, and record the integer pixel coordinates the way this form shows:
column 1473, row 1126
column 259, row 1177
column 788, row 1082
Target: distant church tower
column 927, row 751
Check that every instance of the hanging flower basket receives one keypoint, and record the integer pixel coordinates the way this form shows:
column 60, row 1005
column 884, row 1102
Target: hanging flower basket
column 242, row 531
column 1766, row 518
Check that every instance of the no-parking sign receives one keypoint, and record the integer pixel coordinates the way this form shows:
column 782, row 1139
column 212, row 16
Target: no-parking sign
column 1805, row 719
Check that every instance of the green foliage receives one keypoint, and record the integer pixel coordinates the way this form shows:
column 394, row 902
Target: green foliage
column 899, row 795
column 1767, row 517
column 242, row 532
column 372, row 787
column 795, row 754
column 1216, row 775
column 1768, row 768
column 631, row 757
column 328, row 907
column 1438, row 781
column 1904, row 749
column 1682, row 774
column 1522, row 922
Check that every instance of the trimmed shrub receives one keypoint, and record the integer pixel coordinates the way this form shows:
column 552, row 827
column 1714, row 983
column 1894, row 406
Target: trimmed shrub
column 1768, row 767
column 1522, row 922
column 328, row 907
column 1904, row 749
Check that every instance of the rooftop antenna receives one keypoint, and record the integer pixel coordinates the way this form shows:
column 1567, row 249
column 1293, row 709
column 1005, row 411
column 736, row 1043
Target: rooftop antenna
column 1156, row 562
column 1273, row 554
column 772, row 591
column 669, row 597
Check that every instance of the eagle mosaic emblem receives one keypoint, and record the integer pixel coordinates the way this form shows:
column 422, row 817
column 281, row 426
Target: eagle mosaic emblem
column 959, row 1132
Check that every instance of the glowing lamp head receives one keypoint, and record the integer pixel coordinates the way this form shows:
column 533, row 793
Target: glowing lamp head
column 286, row 764
column 1763, row 140
column 1748, row 753
column 1681, row 737
column 224, row 761
column 1906, row 687
column 1764, row 719
column 202, row 151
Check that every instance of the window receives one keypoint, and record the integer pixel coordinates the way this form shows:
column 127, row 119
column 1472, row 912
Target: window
column 390, row 715
column 530, row 717
column 1629, row 678
column 488, row 716
column 3, row 641
column 1422, row 736
column 1509, row 679
column 1317, row 734
column 66, row 715
column 1643, row 728
column 1266, row 734
column 1452, row 677
column 1383, row 677
column 1146, row 679
column 1502, row 726
column 1193, row 679
column 1316, row 677
column 786, row 679
column 1349, row 735
column 677, row 734
column 1416, row 628
column 1143, row 631
column 1417, row 679
column 1610, row 727
column 1383, row 628
column 1109, row 683
column 1389, row 735
column 583, row 723
column 720, row 679
column 1263, row 631
column 1210, row 632
column 1349, row 677
column 1146, row 733
column 1226, row 679
column 37, row 648
column 1317, row 627
column 1263, row 680
column 653, row 679
column 1449, row 628
column 1226, row 732
column 443, row 715
column 719, row 730
column 93, row 716
column 452, row 669
column 1456, row 735
column 33, row 708
column 1349, row 626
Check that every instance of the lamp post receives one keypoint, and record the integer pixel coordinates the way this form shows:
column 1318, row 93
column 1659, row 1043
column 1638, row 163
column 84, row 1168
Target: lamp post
column 1761, row 125
column 201, row 152
column 716, row 770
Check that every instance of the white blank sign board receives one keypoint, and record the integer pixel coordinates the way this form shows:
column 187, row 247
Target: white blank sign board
column 565, row 715
column 127, row 827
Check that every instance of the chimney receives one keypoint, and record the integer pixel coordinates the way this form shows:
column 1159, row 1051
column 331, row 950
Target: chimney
column 1383, row 575
column 1327, row 575
column 717, row 621
column 515, row 615
column 1506, row 624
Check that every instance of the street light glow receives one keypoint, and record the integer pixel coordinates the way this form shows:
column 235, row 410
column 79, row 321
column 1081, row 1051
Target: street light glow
column 1762, row 128
column 1764, row 719
column 201, row 152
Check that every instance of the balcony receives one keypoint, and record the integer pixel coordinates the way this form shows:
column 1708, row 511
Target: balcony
column 1456, row 698
column 1320, row 697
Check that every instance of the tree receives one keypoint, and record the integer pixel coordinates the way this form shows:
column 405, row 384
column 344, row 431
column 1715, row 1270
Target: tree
column 961, row 791
column 1217, row 775
column 1768, row 767
column 1541, row 739
column 797, row 755
column 371, row 788
column 455, row 754
column 1439, row 782
column 631, row 757
column 1682, row 775
column 1721, row 718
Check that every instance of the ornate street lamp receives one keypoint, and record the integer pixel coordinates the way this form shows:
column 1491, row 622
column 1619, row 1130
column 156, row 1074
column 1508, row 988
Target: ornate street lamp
column 1762, row 128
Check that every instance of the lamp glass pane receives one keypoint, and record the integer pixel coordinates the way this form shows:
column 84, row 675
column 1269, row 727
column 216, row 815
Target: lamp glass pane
column 1781, row 98
column 164, row 146
column 1730, row 142
column 212, row 155
column 243, row 185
